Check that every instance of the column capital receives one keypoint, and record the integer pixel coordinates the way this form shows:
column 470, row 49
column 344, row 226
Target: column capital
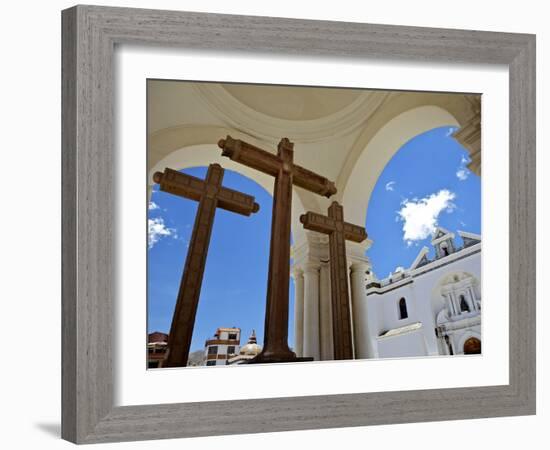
column 313, row 250
column 296, row 272
column 358, row 249
column 311, row 267
column 360, row 266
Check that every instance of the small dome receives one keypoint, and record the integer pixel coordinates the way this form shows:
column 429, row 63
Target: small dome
column 251, row 348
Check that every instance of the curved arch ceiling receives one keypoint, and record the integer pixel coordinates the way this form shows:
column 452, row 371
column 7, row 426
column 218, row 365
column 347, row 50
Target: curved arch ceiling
column 293, row 103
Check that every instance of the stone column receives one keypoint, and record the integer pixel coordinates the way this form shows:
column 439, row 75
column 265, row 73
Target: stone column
column 363, row 345
column 325, row 314
column 298, row 311
column 473, row 298
column 448, row 300
column 311, row 311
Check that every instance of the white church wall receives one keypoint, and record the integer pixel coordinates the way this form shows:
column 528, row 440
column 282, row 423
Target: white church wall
column 424, row 301
column 405, row 345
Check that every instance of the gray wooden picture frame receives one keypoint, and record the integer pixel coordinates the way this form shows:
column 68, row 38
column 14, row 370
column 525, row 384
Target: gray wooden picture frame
column 90, row 34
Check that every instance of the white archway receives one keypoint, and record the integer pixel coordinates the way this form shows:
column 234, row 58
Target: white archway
column 379, row 151
column 467, row 335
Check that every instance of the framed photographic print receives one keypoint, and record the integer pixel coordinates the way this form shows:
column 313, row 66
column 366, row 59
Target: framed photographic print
column 341, row 229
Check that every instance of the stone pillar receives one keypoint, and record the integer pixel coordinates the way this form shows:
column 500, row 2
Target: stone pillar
column 311, row 311
column 449, row 301
column 298, row 311
column 473, row 298
column 363, row 345
column 325, row 314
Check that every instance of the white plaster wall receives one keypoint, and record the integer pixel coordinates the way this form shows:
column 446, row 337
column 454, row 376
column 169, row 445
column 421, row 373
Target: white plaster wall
column 405, row 345
column 383, row 309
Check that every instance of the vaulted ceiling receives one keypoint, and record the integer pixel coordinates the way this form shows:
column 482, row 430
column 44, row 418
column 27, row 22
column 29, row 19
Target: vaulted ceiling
column 346, row 135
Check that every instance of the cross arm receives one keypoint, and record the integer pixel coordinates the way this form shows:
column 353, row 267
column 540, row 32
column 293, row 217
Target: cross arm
column 194, row 188
column 317, row 222
column 313, row 182
column 354, row 233
column 326, row 225
column 237, row 202
column 250, row 155
column 181, row 184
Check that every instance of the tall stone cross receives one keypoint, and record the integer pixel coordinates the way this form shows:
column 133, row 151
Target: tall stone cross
column 286, row 173
column 211, row 195
column 338, row 231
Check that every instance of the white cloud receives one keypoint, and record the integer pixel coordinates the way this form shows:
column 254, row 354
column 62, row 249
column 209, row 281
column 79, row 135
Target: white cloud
column 462, row 172
column 157, row 230
column 153, row 206
column 390, row 185
column 450, row 131
column 420, row 216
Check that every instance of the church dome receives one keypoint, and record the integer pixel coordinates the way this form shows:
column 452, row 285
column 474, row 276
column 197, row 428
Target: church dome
column 251, row 348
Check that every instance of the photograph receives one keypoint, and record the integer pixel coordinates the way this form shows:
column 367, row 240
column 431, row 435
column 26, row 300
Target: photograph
column 299, row 224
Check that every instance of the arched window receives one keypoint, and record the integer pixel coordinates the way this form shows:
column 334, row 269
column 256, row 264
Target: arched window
column 464, row 305
column 403, row 314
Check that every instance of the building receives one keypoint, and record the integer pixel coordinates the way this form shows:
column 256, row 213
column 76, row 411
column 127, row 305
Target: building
column 224, row 345
column 157, row 343
column 247, row 352
column 431, row 308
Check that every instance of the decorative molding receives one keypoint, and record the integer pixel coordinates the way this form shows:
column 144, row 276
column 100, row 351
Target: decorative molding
column 254, row 123
column 469, row 136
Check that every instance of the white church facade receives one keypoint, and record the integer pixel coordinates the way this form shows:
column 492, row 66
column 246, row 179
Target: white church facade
column 431, row 308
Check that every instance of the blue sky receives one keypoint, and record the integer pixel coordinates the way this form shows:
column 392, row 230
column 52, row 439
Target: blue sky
column 424, row 185
column 235, row 279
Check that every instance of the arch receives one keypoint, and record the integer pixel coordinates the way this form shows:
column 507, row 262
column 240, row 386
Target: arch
column 468, row 335
column 464, row 307
column 205, row 154
column 472, row 346
column 376, row 152
column 163, row 142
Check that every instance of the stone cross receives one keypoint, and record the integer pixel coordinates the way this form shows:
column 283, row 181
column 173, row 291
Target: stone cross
column 338, row 231
column 286, row 173
column 211, row 195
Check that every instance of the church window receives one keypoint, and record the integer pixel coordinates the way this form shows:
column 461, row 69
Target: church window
column 232, row 336
column 213, row 350
column 403, row 314
column 444, row 250
column 464, row 305
column 231, row 350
